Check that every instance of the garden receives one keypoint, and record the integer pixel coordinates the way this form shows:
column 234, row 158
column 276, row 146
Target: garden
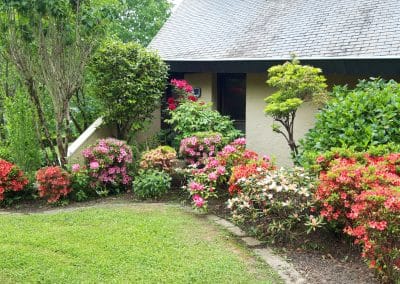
column 67, row 63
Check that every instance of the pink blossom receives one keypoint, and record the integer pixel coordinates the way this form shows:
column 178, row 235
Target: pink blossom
column 75, row 168
column 212, row 176
column 198, row 200
column 94, row 165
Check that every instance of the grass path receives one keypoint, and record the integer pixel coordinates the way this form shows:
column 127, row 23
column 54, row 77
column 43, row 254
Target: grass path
column 123, row 243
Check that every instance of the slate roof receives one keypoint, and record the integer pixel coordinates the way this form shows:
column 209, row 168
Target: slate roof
column 272, row 29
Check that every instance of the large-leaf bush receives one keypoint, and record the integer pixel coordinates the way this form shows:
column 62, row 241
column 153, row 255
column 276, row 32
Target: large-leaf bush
column 191, row 117
column 368, row 115
column 151, row 183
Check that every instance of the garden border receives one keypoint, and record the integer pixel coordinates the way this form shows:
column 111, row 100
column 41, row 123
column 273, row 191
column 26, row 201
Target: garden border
column 284, row 269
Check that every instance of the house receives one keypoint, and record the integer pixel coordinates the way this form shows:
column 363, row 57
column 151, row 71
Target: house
column 224, row 48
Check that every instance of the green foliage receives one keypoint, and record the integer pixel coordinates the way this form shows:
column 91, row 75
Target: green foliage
column 151, row 184
column 140, row 20
column 22, row 138
column 130, row 84
column 367, row 116
column 295, row 84
column 192, row 117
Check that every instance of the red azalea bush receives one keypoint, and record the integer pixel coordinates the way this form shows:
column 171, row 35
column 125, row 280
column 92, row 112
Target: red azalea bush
column 183, row 91
column 53, row 183
column 362, row 193
column 11, row 178
column 218, row 169
column 108, row 163
column 199, row 147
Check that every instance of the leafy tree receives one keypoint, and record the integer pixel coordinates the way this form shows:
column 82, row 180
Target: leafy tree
column 295, row 84
column 50, row 42
column 130, row 83
column 22, row 136
column 140, row 20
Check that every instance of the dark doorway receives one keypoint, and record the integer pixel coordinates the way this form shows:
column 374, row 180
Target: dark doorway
column 232, row 98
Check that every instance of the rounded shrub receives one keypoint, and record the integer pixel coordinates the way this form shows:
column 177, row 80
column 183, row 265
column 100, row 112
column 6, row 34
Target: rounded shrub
column 53, row 183
column 151, row 184
column 12, row 179
column 160, row 158
column 108, row 163
column 368, row 115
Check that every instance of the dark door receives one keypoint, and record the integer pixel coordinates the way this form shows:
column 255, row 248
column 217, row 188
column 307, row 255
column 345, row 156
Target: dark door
column 232, row 98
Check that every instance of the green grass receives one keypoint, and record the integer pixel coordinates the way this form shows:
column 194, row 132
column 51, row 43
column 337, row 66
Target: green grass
column 115, row 244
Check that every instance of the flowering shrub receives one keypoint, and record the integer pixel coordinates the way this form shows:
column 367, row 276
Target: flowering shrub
column 361, row 192
column 151, row 184
column 108, row 164
column 53, row 183
column 80, row 183
column 217, row 171
column 277, row 203
column 161, row 158
column 11, row 178
column 183, row 91
column 199, row 147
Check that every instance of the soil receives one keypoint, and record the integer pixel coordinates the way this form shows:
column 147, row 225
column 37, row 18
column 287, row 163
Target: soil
column 321, row 258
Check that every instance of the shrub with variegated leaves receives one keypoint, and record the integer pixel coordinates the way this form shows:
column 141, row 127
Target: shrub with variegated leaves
column 276, row 203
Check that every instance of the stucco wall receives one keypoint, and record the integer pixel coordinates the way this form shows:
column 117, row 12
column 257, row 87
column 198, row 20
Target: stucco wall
column 208, row 84
column 259, row 134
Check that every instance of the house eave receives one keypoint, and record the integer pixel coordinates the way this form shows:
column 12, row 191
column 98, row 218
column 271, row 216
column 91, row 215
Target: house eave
column 382, row 66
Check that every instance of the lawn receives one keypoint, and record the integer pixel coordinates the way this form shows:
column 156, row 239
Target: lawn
column 127, row 243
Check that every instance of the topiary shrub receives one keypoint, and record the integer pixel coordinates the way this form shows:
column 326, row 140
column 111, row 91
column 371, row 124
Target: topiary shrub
column 160, row 158
column 12, row 179
column 368, row 115
column 130, row 83
column 151, row 184
column 53, row 183
column 108, row 163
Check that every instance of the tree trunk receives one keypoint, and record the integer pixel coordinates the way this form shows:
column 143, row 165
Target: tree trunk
column 42, row 122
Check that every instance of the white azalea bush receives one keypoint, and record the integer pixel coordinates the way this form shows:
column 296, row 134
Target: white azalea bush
column 277, row 204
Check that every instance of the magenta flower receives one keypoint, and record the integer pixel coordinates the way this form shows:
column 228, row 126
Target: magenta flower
column 198, row 200
column 94, row 165
column 75, row 168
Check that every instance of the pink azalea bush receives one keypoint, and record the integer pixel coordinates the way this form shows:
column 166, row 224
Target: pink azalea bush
column 108, row 164
column 199, row 147
column 217, row 170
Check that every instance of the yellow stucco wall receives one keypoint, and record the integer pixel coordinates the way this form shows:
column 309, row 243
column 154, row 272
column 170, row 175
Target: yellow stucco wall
column 208, row 84
column 259, row 134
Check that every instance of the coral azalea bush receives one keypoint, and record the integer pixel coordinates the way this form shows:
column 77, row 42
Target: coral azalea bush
column 11, row 178
column 53, row 183
column 362, row 193
column 108, row 164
